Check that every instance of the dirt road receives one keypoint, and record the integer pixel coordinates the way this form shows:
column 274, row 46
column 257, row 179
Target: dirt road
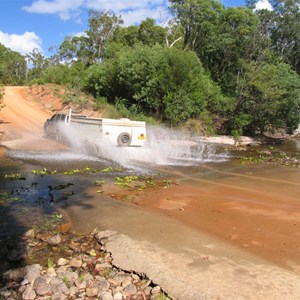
column 21, row 121
column 199, row 261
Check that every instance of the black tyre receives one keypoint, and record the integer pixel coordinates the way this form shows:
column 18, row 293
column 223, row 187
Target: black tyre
column 124, row 139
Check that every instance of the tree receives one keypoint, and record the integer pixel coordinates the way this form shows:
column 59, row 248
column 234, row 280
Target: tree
column 101, row 27
column 286, row 31
column 90, row 47
column 13, row 67
column 270, row 98
column 221, row 37
column 151, row 34
column 199, row 19
column 38, row 64
column 167, row 83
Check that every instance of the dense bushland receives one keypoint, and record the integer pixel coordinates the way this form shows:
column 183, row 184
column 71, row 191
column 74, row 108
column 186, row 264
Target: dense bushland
column 230, row 70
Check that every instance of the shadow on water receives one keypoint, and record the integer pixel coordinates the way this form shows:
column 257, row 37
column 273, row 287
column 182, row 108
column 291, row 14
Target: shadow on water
column 33, row 187
column 30, row 199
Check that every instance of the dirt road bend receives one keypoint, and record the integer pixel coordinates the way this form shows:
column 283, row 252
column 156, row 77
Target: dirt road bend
column 21, row 120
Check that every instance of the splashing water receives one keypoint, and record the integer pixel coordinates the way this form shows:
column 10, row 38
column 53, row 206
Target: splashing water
column 163, row 147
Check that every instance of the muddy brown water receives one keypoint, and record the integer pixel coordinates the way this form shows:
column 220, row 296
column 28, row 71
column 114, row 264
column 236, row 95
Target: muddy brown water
column 254, row 206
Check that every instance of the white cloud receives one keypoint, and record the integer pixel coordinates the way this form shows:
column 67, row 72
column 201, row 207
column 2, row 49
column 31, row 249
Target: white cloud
column 131, row 11
column 64, row 8
column 136, row 16
column 263, row 4
column 23, row 44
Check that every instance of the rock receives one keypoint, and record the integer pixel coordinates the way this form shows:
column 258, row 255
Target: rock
column 5, row 294
column 145, row 283
column 33, row 272
column 103, row 266
column 59, row 287
column 120, row 278
column 92, row 292
column 15, row 275
column 69, row 277
column 30, row 234
column 41, row 286
column 54, row 240
column 87, row 277
column 61, row 270
column 130, row 290
column 106, row 296
column 118, row 296
column 51, row 272
column 29, row 293
column 98, row 234
column 74, row 246
column 73, row 291
column 76, row 262
column 80, row 283
column 135, row 278
column 62, row 262
column 102, row 284
column 156, row 290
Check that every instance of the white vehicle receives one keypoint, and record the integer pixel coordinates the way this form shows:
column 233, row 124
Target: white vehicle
column 118, row 132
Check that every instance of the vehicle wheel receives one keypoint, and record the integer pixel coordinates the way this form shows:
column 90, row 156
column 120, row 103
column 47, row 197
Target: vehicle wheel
column 124, row 139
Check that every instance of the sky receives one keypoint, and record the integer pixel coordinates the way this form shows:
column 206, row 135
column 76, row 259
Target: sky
column 26, row 25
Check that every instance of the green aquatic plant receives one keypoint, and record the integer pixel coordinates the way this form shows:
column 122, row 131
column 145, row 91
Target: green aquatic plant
column 44, row 171
column 15, row 176
column 125, row 181
column 98, row 182
column 80, row 171
column 5, row 198
column 109, row 169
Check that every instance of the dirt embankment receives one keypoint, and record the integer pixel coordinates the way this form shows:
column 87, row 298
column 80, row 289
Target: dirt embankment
column 25, row 111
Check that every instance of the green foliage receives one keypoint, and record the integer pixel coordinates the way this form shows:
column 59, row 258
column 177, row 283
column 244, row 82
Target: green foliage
column 125, row 181
column 147, row 33
column 44, row 171
column 285, row 31
column 212, row 68
column 270, row 98
column 13, row 67
column 167, row 83
column 50, row 263
column 38, row 65
column 91, row 46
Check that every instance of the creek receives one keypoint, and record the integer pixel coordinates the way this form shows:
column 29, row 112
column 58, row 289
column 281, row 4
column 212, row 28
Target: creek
column 258, row 185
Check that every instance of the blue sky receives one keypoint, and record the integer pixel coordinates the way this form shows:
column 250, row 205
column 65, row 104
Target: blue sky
column 29, row 24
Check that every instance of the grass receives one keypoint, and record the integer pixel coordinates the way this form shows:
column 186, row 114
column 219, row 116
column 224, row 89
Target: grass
column 50, row 263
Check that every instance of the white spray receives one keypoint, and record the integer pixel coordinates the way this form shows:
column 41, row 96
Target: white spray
column 163, row 146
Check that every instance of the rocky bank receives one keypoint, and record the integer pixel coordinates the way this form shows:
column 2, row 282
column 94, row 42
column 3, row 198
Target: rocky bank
column 75, row 267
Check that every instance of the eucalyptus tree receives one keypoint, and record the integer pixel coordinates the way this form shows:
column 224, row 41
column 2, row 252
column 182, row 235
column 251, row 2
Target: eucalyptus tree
column 282, row 25
column 286, row 31
column 220, row 36
column 13, row 67
column 90, row 46
column 38, row 64
column 199, row 18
